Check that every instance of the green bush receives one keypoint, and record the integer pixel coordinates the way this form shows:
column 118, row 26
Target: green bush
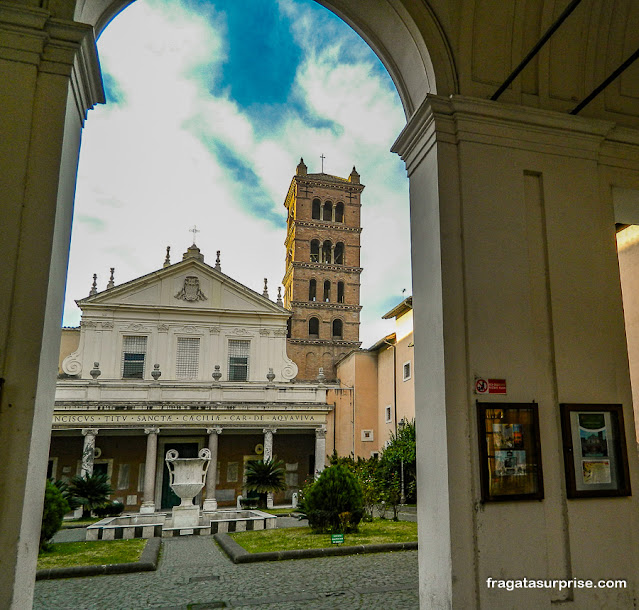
column 91, row 492
column 55, row 507
column 334, row 502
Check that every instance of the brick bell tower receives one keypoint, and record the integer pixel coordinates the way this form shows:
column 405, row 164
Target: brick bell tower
column 322, row 278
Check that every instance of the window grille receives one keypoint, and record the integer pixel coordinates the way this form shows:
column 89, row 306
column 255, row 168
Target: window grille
column 388, row 413
column 238, row 359
column 188, row 357
column 133, row 356
column 407, row 371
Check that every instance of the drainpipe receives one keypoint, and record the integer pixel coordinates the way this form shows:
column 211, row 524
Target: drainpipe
column 393, row 345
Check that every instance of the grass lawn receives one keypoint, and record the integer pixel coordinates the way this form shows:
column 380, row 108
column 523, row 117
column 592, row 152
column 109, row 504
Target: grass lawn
column 380, row 531
column 278, row 511
column 98, row 552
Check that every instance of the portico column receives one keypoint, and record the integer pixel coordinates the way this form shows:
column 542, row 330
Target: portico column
column 88, row 451
column 148, row 505
column 210, row 503
column 320, row 450
column 268, row 455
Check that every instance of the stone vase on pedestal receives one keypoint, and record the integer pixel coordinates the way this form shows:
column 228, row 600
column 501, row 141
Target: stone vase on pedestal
column 186, row 478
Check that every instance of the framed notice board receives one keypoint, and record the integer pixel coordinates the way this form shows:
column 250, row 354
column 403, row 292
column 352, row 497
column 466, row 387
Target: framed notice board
column 509, row 451
column 595, row 454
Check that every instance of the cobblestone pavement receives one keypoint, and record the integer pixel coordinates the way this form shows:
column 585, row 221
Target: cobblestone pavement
column 194, row 574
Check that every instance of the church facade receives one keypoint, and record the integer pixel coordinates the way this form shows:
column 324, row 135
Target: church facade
column 183, row 358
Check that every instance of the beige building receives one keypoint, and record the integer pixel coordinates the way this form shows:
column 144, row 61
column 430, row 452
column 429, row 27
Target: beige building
column 377, row 390
column 182, row 358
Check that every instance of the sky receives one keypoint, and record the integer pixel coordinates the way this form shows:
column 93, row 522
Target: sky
column 210, row 105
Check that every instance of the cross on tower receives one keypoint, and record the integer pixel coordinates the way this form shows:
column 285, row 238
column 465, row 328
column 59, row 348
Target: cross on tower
column 195, row 231
column 322, row 157
column 350, row 196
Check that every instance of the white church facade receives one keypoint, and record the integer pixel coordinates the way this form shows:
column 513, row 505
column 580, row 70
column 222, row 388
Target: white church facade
column 183, row 358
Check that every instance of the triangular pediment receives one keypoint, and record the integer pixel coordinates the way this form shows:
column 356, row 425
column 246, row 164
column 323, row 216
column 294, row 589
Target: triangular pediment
column 187, row 285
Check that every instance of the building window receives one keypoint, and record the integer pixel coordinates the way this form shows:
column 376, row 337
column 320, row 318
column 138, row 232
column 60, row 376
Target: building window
column 327, row 246
column 328, row 212
column 339, row 254
column 315, row 251
column 312, row 290
column 316, row 209
column 238, row 359
column 133, row 356
column 367, row 435
column 327, row 291
column 313, row 328
column 337, row 328
column 188, row 357
column 340, row 292
column 407, row 371
column 389, row 414
column 339, row 212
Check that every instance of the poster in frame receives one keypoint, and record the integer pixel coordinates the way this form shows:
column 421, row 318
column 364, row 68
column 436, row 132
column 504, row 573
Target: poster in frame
column 595, row 454
column 509, row 451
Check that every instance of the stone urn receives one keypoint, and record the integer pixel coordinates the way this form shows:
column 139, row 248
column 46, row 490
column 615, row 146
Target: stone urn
column 186, row 478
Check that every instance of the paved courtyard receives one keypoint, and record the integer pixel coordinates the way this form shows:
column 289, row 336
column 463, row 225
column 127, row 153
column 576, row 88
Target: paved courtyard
column 195, row 574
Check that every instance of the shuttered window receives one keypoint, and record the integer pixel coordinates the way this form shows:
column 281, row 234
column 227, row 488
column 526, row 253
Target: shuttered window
column 188, row 357
column 133, row 357
column 238, row 359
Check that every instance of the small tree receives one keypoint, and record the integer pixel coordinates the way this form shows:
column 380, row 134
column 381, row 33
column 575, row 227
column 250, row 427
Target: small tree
column 334, row 502
column 55, row 507
column 91, row 492
column 401, row 449
column 265, row 476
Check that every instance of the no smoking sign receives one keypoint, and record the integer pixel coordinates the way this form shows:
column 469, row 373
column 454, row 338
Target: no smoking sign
column 490, row 386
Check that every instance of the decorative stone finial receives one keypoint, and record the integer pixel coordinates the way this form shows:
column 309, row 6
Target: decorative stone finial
column 301, row 170
column 270, row 375
column 94, row 286
column 265, row 292
column 167, row 258
column 156, row 373
column 320, row 376
column 354, row 177
column 217, row 262
column 279, row 296
column 193, row 252
column 217, row 374
column 95, row 372
column 111, row 283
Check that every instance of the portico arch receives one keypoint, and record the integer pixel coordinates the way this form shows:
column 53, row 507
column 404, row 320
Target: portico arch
column 502, row 282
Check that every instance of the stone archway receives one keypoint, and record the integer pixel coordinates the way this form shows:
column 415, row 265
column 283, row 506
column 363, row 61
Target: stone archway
column 503, row 284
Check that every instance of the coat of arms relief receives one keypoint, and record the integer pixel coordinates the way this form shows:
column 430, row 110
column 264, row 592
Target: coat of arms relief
column 191, row 290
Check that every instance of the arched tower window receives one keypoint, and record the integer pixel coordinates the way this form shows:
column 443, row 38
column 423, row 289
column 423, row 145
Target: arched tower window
column 339, row 212
column 315, row 251
column 312, row 290
column 327, row 247
column 313, row 328
column 328, row 211
column 327, row 291
column 317, row 205
column 339, row 254
column 340, row 292
column 337, row 328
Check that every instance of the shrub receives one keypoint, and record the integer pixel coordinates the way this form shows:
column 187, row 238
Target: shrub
column 91, row 492
column 334, row 502
column 55, row 507
column 113, row 509
column 266, row 476
column 63, row 486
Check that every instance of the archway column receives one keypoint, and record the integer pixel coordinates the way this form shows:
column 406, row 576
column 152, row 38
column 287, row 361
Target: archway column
column 515, row 277
column 88, row 451
column 49, row 78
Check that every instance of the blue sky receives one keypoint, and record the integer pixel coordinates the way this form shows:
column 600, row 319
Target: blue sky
column 210, row 105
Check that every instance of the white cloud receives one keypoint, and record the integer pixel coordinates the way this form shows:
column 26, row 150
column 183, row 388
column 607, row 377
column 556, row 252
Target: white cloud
column 146, row 175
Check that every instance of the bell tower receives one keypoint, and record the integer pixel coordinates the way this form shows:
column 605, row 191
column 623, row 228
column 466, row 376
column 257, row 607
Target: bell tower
column 322, row 277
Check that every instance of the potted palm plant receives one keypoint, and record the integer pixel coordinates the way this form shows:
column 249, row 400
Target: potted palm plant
column 264, row 477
